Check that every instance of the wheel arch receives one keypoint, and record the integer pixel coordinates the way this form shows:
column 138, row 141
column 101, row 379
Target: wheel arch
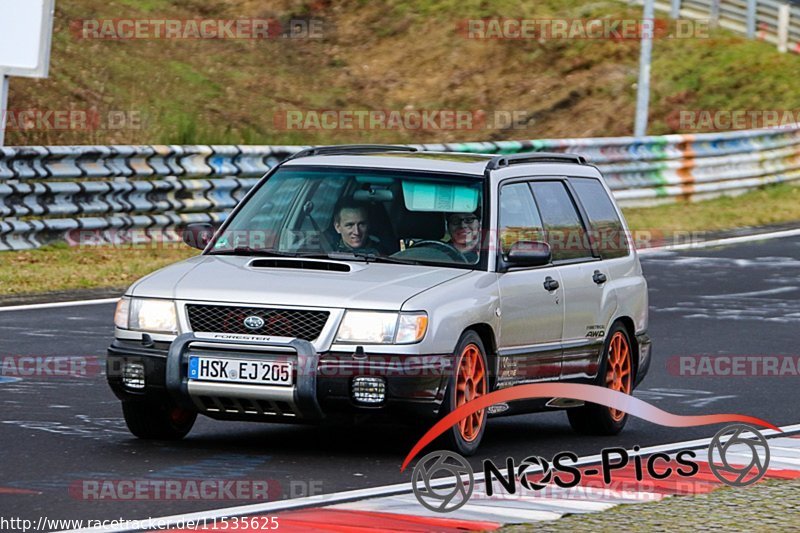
column 489, row 339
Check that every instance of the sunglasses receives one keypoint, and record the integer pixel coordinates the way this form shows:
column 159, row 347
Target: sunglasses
column 455, row 221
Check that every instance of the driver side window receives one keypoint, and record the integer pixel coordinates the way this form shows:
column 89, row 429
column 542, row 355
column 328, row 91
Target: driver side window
column 519, row 218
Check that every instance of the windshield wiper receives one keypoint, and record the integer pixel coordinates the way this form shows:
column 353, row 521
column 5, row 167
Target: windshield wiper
column 344, row 256
column 378, row 258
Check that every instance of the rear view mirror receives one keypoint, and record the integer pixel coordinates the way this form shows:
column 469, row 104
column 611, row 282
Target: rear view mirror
column 529, row 253
column 198, row 235
column 373, row 195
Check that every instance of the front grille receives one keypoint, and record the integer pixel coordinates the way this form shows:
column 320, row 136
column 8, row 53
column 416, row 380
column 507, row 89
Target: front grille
column 306, row 325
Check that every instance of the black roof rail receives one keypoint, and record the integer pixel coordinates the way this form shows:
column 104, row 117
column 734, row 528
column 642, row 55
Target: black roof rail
column 342, row 149
column 533, row 157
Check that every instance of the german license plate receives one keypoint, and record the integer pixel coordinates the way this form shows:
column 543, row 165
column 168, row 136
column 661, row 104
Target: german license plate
column 240, row 370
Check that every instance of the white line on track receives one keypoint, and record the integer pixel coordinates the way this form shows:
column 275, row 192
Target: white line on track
column 722, row 242
column 387, row 490
column 58, row 304
column 643, row 251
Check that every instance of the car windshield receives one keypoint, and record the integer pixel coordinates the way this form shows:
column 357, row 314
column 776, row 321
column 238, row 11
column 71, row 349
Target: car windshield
column 361, row 214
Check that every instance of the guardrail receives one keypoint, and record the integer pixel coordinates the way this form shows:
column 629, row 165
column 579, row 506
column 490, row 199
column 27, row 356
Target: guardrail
column 102, row 194
column 768, row 20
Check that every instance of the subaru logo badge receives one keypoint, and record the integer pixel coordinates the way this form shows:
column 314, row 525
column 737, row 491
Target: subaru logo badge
column 254, row 322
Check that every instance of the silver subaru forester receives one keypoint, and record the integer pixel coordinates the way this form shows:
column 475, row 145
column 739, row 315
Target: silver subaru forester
column 390, row 281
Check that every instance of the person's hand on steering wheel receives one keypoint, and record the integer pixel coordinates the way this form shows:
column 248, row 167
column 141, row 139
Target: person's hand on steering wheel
column 448, row 249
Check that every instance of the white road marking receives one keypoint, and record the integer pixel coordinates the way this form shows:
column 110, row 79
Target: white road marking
column 702, row 402
column 722, row 242
column 58, row 304
column 387, row 490
column 777, row 290
column 690, row 396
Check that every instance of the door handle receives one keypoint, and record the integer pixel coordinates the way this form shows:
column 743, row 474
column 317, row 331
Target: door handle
column 550, row 284
column 599, row 277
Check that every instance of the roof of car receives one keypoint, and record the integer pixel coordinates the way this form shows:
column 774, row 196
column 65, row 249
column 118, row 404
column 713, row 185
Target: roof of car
column 452, row 162
column 431, row 161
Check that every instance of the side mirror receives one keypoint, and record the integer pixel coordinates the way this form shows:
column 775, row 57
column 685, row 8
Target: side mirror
column 529, row 253
column 198, row 235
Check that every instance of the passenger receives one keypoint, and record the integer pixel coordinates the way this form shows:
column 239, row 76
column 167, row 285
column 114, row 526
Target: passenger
column 351, row 222
column 464, row 230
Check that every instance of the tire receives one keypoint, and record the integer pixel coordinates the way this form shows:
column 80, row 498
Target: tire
column 468, row 381
column 154, row 421
column 616, row 373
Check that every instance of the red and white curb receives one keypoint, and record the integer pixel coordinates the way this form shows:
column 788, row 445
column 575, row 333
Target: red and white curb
column 395, row 508
column 404, row 512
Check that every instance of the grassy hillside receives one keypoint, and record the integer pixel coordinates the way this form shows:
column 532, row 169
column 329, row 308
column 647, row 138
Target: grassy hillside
column 388, row 55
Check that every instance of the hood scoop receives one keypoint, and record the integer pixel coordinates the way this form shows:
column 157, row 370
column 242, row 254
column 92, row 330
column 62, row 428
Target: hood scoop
column 300, row 264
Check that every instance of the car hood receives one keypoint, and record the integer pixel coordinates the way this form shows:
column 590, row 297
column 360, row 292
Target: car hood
column 235, row 279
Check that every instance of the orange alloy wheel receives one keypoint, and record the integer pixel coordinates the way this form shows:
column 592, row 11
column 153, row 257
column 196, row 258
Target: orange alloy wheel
column 470, row 384
column 618, row 369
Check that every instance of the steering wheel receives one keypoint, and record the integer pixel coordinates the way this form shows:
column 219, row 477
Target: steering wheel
column 451, row 251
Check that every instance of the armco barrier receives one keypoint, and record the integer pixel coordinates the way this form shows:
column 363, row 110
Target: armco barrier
column 101, row 193
column 768, row 20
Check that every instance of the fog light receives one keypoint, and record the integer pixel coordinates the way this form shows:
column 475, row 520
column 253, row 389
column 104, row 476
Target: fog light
column 133, row 375
column 369, row 389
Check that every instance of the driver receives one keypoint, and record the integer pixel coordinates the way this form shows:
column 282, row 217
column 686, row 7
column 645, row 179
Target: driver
column 351, row 222
column 464, row 231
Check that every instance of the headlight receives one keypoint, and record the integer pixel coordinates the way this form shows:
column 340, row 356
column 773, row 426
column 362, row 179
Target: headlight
column 375, row 327
column 411, row 328
column 122, row 313
column 146, row 314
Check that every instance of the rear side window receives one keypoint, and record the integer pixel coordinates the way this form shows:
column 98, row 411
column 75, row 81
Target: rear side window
column 565, row 232
column 519, row 219
column 607, row 233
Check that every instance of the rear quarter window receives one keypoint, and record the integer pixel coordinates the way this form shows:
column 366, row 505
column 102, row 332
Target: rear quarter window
column 562, row 223
column 606, row 231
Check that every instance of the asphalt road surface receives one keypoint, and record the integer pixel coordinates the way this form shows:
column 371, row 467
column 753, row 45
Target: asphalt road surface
column 56, row 432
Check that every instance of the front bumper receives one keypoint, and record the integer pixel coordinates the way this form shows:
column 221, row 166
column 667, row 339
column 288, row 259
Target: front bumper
column 321, row 387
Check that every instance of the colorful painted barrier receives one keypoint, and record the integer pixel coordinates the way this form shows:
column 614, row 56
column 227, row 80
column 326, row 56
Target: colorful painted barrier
column 52, row 193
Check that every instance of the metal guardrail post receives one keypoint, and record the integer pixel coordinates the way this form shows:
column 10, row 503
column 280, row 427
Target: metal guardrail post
column 714, row 12
column 751, row 18
column 3, row 106
column 783, row 27
column 676, row 9
column 643, row 88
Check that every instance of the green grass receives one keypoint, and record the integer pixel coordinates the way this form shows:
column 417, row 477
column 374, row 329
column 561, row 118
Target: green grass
column 59, row 267
column 770, row 205
column 387, row 55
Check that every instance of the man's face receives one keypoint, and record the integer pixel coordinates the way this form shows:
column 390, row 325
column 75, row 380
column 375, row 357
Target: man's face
column 464, row 229
column 353, row 226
